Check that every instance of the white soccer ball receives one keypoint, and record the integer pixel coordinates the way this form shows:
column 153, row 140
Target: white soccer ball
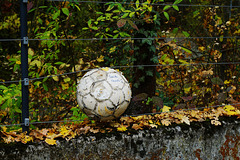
column 103, row 94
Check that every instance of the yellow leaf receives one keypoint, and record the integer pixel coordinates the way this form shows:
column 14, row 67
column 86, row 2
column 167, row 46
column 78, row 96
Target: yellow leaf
column 232, row 90
column 137, row 118
column 105, row 69
column 65, row 86
column 112, row 49
column 50, row 141
column 26, row 139
column 227, row 82
column 64, row 131
column 150, row 121
column 201, row 48
column 81, row 61
column 229, row 108
column 166, row 109
column 231, row 113
column 4, row 128
column 100, row 59
column 18, row 62
column 55, row 78
column 30, row 51
column 122, row 128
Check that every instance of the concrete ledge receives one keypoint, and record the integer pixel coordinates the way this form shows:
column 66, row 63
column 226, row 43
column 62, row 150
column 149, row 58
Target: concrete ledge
column 198, row 141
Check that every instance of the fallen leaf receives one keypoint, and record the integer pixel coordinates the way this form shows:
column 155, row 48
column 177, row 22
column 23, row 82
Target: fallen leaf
column 166, row 109
column 50, row 141
column 216, row 122
column 137, row 126
column 122, row 128
column 165, row 122
column 185, row 120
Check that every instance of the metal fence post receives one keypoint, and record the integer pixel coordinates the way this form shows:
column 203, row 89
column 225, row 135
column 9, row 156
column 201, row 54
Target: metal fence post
column 24, row 65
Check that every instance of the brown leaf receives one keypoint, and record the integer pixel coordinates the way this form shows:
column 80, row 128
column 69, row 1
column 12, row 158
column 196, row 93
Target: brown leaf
column 133, row 25
column 121, row 23
column 157, row 101
column 165, row 122
column 140, row 97
column 137, row 126
column 189, row 98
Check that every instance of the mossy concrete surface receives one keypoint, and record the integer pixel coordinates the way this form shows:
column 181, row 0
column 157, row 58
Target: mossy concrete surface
column 199, row 141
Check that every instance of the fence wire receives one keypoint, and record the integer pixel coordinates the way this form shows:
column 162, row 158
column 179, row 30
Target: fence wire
column 106, row 39
column 118, row 67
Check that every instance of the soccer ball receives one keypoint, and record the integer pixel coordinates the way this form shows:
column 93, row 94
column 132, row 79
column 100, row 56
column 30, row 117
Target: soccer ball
column 103, row 94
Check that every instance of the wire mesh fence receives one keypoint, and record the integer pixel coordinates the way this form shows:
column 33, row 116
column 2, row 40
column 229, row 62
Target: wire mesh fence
column 194, row 70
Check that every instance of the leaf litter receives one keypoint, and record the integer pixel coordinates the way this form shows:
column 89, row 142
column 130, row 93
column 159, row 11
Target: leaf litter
column 69, row 131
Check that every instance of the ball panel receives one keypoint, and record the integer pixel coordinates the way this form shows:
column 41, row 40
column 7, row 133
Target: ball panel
column 105, row 108
column 117, row 97
column 115, row 80
column 84, row 85
column 101, row 90
column 99, row 75
column 127, row 92
column 121, row 109
column 79, row 100
column 89, row 102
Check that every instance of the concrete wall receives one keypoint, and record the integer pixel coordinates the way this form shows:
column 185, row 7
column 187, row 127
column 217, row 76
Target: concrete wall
column 198, row 141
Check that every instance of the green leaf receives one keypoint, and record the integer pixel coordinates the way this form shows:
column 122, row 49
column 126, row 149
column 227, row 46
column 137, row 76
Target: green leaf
column 175, row 30
column 17, row 110
column 89, row 22
column 55, row 15
column 137, row 3
column 65, row 11
column 221, row 38
column 99, row 13
column 155, row 59
column 3, row 87
column 186, row 50
column 185, row 33
column 58, row 63
column 217, row 81
column 166, row 7
column 176, row 7
column 164, row 57
column 43, row 7
column 125, row 15
column 131, row 14
column 85, row 28
column 177, row 1
column 45, row 87
column 149, row 73
column 115, row 36
column 166, row 15
column 94, row 28
column 110, row 7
